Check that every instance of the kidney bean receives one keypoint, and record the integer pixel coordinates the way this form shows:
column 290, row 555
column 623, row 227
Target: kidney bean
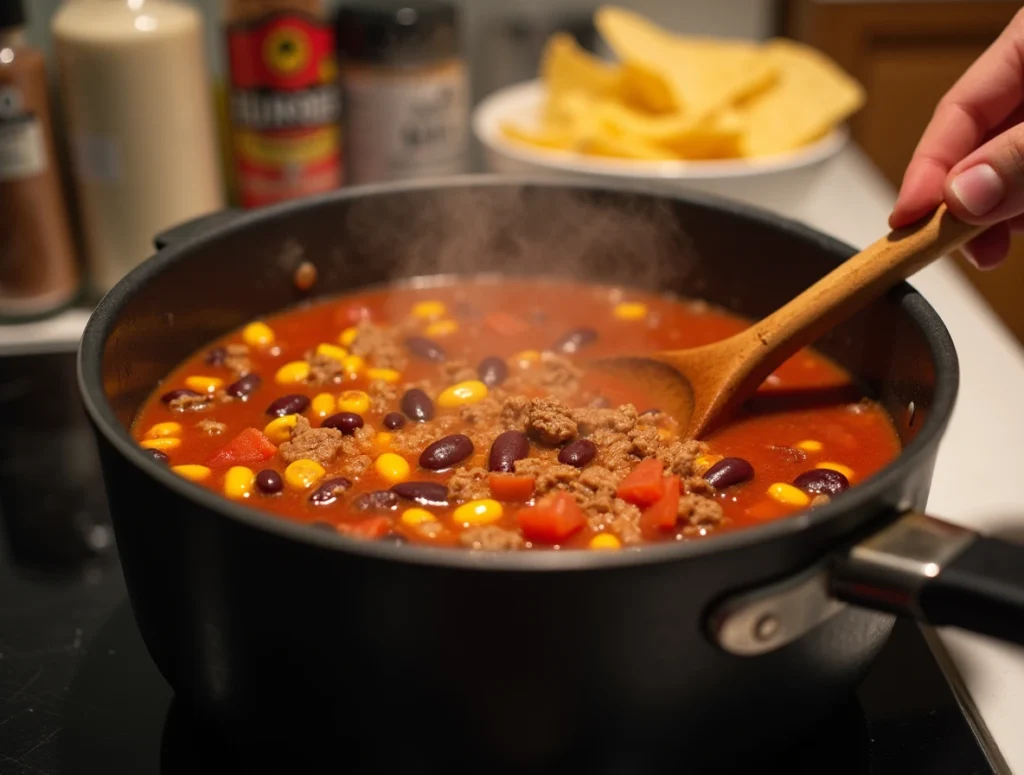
column 157, row 455
column 575, row 340
column 293, row 403
column 729, row 471
column 493, row 371
column 509, row 447
column 242, row 387
column 822, row 481
column 578, row 453
column 378, row 500
column 269, row 481
column 216, row 356
column 447, row 452
column 328, row 492
column 424, row 493
column 346, row 422
column 417, row 405
column 422, row 347
column 394, row 420
column 166, row 398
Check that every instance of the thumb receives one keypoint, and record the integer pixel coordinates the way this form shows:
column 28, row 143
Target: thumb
column 988, row 186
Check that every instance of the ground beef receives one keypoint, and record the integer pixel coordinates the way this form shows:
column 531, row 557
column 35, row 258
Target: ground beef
column 323, row 370
column 490, row 538
column 189, row 403
column 621, row 420
column 698, row 485
column 458, row 371
column 549, row 421
column 557, row 374
column 680, row 457
column 355, row 466
column 548, row 473
column 468, row 484
column 211, row 427
column 413, row 437
column 307, row 443
column 383, row 396
column 514, row 412
column 645, row 440
column 379, row 346
column 486, row 412
column 237, row 359
column 698, row 511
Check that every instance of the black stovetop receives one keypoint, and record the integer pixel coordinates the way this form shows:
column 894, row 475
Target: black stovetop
column 80, row 696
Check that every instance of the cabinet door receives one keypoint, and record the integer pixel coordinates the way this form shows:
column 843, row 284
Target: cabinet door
column 907, row 54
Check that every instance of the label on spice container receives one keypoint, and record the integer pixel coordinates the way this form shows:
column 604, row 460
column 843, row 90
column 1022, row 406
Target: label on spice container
column 406, row 126
column 285, row 108
column 22, row 146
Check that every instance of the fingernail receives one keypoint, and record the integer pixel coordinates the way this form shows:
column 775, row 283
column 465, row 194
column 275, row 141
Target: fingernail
column 979, row 189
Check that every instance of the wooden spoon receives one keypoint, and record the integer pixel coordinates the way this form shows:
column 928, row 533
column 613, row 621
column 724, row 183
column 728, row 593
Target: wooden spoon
column 701, row 385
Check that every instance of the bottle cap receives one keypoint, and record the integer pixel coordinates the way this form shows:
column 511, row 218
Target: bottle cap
column 402, row 34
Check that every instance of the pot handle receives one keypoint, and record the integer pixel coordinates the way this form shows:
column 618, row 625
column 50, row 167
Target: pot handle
column 939, row 573
column 197, row 227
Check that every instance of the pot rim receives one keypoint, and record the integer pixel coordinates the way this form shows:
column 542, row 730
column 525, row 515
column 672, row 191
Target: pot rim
column 98, row 329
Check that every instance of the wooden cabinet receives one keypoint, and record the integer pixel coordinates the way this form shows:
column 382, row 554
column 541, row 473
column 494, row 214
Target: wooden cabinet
column 907, row 54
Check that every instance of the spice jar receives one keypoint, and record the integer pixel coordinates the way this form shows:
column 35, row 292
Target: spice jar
column 405, row 91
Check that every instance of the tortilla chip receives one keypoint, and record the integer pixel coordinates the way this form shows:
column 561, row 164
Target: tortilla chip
column 565, row 67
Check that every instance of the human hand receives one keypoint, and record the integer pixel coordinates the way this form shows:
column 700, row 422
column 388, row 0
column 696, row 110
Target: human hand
column 971, row 155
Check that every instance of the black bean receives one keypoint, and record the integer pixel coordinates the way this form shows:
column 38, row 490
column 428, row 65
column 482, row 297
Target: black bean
column 394, row 420
column 242, row 387
column 729, row 471
column 379, row 500
column 422, row 347
column 328, row 492
column 575, row 340
column 179, row 393
column 216, row 356
column 424, row 493
column 157, row 455
column 417, row 405
column 578, row 453
column 447, row 452
column 346, row 422
column 269, row 481
column 509, row 447
column 822, row 481
column 493, row 371
column 293, row 403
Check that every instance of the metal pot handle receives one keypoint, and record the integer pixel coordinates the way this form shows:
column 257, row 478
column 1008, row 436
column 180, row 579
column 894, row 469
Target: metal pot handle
column 197, row 227
column 918, row 566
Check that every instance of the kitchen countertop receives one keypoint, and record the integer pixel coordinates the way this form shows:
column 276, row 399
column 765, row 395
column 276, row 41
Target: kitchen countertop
column 851, row 201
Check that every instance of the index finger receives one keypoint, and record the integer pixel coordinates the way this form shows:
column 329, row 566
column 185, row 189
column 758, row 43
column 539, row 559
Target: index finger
column 981, row 99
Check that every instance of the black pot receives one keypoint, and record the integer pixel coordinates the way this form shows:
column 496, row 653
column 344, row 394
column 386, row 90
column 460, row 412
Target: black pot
column 699, row 652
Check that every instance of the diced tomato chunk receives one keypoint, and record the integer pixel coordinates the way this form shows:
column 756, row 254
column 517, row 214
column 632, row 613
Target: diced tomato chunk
column 662, row 514
column 645, row 484
column 552, row 520
column 375, row 527
column 511, row 488
column 506, row 324
column 248, row 447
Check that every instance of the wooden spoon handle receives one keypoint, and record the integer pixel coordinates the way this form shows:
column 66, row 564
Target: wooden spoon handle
column 855, row 283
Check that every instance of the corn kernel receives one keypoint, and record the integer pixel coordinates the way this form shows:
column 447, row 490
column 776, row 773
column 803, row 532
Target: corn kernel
column 354, row 401
column 348, row 336
column 164, row 443
column 788, row 494
column 664, row 434
column 303, row 474
column 279, row 430
column 323, row 404
column 383, row 440
column 462, row 394
column 526, row 358
column 193, row 473
column 429, row 310
column 238, row 482
column 605, row 541
column 386, row 375
column 352, row 365
column 630, row 310
column 809, row 445
column 481, row 512
column 844, row 470
column 704, row 462
column 332, row 351
column 163, row 429
column 258, row 335
column 292, row 373
column 392, row 467
column 442, row 328
column 203, row 384
column 416, row 517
